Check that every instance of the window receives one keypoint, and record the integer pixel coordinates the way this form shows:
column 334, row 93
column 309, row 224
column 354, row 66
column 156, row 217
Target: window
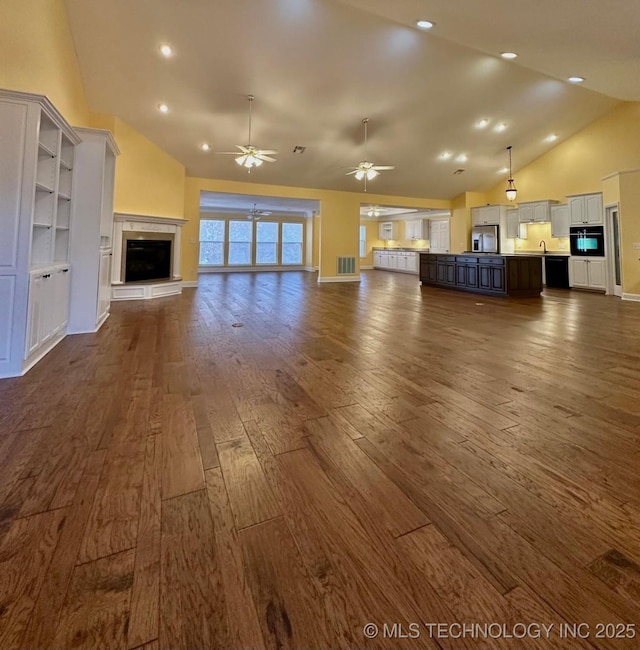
column 363, row 241
column 292, row 243
column 240, row 239
column 212, row 242
column 266, row 242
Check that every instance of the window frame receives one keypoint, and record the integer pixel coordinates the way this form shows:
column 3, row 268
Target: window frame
column 213, row 241
column 363, row 241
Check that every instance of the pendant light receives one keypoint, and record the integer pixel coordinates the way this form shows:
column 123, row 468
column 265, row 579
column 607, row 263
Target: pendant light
column 511, row 188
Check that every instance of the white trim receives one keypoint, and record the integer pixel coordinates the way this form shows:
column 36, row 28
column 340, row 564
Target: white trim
column 311, row 269
column 39, row 354
column 348, row 278
column 625, row 171
column 108, row 136
column 634, row 297
column 147, row 291
column 366, row 267
column 189, row 284
column 249, row 269
column 174, row 221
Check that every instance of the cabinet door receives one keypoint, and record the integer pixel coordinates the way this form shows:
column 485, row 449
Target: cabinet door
column 578, row 273
column 472, row 276
column 461, row 275
column 526, row 213
column 36, row 285
column 593, row 208
column 577, row 210
column 376, row 258
column 413, row 260
column 393, row 261
column 428, row 271
column 559, row 221
column 401, row 262
column 63, row 287
column 484, row 277
column 513, row 224
column 597, row 274
column 497, row 278
column 541, row 212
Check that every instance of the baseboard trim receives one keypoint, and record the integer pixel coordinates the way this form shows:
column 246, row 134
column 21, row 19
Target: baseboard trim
column 634, row 297
column 348, row 278
column 189, row 284
column 146, row 291
column 248, row 269
column 366, row 268
column 311, row 269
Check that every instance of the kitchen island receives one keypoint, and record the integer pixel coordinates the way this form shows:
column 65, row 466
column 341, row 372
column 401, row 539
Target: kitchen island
column 518, row 276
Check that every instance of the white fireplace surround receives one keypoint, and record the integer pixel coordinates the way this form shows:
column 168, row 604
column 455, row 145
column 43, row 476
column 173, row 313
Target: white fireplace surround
column 123, row 224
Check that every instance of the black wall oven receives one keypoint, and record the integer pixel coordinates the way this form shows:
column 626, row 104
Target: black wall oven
column 587, row 241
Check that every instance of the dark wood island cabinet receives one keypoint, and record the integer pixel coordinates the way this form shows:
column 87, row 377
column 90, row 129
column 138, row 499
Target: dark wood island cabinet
column 496, row 275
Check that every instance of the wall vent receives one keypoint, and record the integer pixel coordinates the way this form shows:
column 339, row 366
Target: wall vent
column 299, row 149
column 346, row 265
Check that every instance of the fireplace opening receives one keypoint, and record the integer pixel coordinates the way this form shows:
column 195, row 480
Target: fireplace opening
column 147, row 259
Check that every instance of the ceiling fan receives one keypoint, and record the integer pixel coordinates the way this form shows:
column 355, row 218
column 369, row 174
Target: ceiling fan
column 367, row 170
column 255, row 214
column 250, row 156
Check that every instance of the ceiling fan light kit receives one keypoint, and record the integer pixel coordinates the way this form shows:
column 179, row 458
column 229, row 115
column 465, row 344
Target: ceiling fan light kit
column 367, row 170
column 250, row 156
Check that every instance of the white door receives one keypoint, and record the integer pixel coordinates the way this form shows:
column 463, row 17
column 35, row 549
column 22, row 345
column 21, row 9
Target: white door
column 439, row 236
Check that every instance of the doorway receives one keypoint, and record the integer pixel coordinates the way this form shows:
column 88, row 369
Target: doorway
column 615, row 258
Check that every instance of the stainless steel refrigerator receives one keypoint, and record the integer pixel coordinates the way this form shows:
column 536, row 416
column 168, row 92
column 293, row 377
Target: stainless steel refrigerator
column 484, row 239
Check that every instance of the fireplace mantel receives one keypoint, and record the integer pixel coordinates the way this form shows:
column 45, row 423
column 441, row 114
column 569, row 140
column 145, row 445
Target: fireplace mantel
column 138, row 223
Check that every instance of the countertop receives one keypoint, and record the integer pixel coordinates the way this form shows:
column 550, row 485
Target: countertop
column 402, row 250
column 547, row 254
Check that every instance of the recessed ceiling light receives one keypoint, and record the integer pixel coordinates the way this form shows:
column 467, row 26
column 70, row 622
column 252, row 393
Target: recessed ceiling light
column 575, row 80
column 205, row 147
column 461, row 158
column 504, row 170
column 501, row 127
column 508, row 55
column 425, row 24
column 166, row 50
column 445, row 155
column 551, row 138
column 163, row 108
column 482, row 123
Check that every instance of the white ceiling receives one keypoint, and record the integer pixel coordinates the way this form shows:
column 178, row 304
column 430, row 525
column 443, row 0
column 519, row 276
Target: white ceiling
column 317, row 67
column 237, row 203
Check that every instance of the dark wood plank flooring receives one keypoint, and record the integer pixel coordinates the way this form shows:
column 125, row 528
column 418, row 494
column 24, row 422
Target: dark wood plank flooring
column 266, row 462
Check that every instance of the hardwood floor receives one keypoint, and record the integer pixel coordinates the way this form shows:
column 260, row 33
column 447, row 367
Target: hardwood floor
column 266, row 462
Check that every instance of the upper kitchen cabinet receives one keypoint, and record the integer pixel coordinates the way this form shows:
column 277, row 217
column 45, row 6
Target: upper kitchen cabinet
column 535, row 211
column 487, row 215
column 388, row 230
column 515, row 229
column 585, row 209
column 415, row 230
column 560, row 220
column 37, row 166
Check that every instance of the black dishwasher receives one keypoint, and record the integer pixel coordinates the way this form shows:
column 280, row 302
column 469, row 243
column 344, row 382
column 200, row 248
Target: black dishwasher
column 556, row 268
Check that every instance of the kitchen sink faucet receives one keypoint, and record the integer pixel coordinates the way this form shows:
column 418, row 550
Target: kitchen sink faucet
column 543, row 243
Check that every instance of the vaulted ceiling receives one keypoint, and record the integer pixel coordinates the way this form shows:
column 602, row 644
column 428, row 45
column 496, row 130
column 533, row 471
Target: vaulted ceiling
column 318, row 67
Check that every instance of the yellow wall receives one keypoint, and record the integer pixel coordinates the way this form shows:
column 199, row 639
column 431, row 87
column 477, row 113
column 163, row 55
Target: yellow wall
column 460, row 227
column 371, row 241
column 37, row 55
column 578, row 165
column 338, row 222
column 630, row 231
column 536, row 232
column 148, row 180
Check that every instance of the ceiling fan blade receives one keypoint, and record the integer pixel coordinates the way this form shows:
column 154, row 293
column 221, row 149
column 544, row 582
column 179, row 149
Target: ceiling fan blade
column 264, row 214
column 243, row 149
column 355, row 171
column 267, row 151
column 229, row 153
column 265, row 158
column 379, row 168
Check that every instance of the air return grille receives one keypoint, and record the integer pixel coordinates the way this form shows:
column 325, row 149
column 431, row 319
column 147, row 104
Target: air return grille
column 346, row 265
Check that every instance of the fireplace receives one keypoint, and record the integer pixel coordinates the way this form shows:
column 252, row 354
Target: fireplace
column 147, row 259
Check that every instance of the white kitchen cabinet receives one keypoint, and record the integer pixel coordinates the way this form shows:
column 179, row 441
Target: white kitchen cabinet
column 404, row 261
column 417, row 230
column 487, row 215
column 515, row 229
column 388, row 230
column 92, row 231
column 560, row 220
column 586, row 209
column 535, row 211
column 588, row 273
column 36, row 208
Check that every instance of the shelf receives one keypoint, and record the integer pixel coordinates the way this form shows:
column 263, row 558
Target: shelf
column 41, row 225
column 62, row 227
column 47, row 150
column 43, row 188
column 63, row 197
column 65, row 164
